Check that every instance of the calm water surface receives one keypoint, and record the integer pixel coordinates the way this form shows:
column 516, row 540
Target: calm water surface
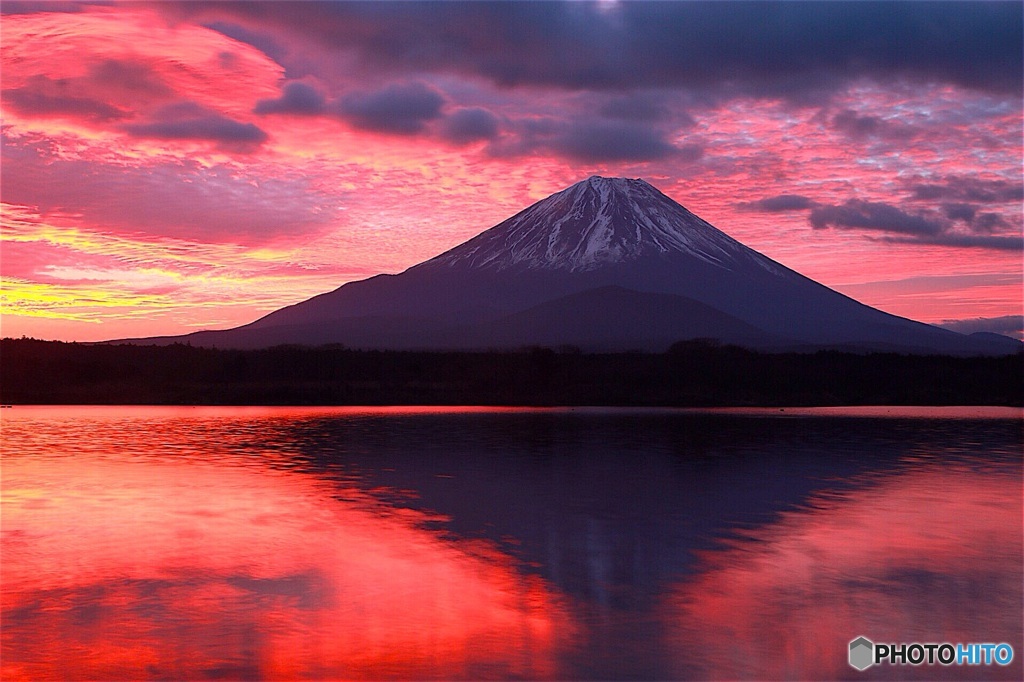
column 252, row 543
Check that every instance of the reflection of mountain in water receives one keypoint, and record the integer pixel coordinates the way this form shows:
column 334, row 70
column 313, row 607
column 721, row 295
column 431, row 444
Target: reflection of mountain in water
column 902, row 560
column 635, row 493
column 615, row 509
column 410, row 543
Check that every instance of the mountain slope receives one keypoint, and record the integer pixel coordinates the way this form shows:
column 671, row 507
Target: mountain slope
column 597, row 222
column 601, row 234
column 613, row 318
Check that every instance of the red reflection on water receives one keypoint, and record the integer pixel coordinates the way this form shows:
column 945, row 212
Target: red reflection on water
column 929, row 556
column 131, row 569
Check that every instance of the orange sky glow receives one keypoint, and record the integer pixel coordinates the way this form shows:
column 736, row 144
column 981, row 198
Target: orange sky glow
column 170, row 167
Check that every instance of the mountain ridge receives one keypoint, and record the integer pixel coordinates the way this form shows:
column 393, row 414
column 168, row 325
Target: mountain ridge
column 614, row 234
column 595, row 222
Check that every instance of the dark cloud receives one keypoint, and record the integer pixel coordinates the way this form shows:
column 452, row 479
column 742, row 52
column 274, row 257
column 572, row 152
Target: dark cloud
column 527, row 136
column 964, row 212
column 689, row 152
column 869, row 215
column 915, row 228
column 190, row 121
column 1008, row 325
column 109, row 90
column 296, row 98
column 407, row 109
column 782, row 203
column 34, row 6
column 641, row 107
column 989, row 222
column 979, row 223
column 470, row 125
column 403, row 109
column 962, row 199
column 258, row 39
column 591, row 141
column 184, row 199
column 127, row 78
column 114, row 91
column 960, row 188
column 857, row 126
column 44, row 98
column 796, row 50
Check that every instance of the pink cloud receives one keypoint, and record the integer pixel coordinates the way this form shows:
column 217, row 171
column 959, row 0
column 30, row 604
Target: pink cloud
column 191, row 121
column 98, row 56
column 110, row 90
column 164, row 198
column 237, row 134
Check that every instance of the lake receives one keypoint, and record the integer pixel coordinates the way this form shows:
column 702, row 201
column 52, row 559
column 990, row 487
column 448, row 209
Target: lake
column 339, row 543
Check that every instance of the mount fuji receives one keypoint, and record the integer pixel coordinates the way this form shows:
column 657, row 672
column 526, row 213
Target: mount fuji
column 607, row 264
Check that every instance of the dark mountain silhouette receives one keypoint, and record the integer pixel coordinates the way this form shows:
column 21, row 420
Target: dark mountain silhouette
column 613, row 318
column 607, row 264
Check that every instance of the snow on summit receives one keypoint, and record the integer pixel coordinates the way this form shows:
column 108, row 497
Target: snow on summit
column 595, row 222
column 608, row 263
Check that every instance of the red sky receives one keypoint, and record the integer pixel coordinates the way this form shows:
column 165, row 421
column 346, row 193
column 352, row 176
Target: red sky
column 169, row 167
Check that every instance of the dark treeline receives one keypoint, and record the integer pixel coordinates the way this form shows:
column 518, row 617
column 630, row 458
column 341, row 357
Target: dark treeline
column 689, row 374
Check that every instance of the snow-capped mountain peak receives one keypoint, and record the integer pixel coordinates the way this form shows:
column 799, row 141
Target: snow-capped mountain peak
column 607, row 264
column 595, row 222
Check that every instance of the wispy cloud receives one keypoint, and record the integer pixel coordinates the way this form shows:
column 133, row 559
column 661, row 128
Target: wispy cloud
column 163, row 198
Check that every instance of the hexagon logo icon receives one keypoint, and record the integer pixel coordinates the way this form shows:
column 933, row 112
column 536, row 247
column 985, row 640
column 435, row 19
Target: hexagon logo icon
column 862, row 653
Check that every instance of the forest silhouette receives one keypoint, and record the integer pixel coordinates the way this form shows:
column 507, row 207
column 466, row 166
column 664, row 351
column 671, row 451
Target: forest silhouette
column 691, row 373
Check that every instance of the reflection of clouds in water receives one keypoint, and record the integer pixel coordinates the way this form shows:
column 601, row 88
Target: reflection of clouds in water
column 184, row 569
column 929, row 556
